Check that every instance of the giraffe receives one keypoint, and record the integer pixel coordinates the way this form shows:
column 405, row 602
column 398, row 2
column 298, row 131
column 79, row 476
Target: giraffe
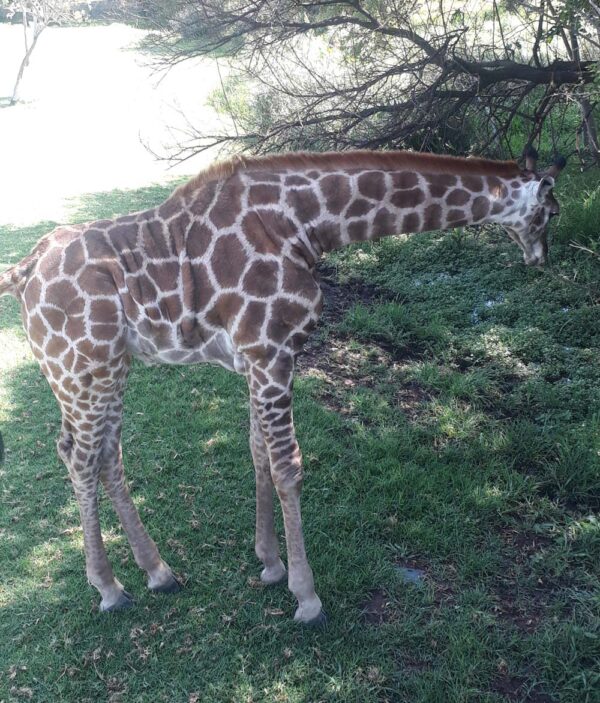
column 223, row 271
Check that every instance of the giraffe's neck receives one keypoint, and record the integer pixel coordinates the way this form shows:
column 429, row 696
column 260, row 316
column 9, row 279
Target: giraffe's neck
column 339, row 208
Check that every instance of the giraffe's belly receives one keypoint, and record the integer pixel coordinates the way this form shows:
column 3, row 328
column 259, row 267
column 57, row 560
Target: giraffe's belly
column 218, row 349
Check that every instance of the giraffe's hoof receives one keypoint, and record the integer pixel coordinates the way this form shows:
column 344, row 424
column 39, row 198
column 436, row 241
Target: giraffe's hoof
column 172, row 586
column 311, row 613
column 124, row 602
column 319, row 622
column 274, row 576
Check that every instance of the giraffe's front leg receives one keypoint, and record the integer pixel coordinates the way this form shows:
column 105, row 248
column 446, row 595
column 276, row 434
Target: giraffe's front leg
column 266, row 546
column 272, row 402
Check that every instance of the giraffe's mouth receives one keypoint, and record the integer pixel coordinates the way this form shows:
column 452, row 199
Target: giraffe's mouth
column 535, row 254
column 534, row 260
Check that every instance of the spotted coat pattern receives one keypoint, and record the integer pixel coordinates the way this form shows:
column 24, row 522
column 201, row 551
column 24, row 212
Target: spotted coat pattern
column 223, row 272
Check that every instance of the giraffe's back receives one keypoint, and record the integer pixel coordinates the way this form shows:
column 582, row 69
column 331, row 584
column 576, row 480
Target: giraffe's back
column 193, row 280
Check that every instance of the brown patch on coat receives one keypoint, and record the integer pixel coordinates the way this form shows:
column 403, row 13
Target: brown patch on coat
column 97, row 245
column 304, row 203
column 74, row 257
column 404, row 180
column 439, row 184
column 261, row 279
column 359, row 208
column 297, row 279
column 104, row 311
column 228, row 260
column 253, row 229
column 496, row 187
column 199, row 198
column 358, row 231
column 336, row 191
column 228, row 204
column 285, row 316
column 154, row 240
column 171, row 207
column 55, row 318
column 328, row 235
column 372, row 185
column 408, row 198
column 225, row 309
column 472, row 183
column 458, row 196
column 192, row 333
column 197, row 288
column 178, row 228
column 384, row 222
column 170, row 307
column 165, row 275
column 60, row 294
column 480, row 208
column 198, row 240
column 411, row 222
column 263, row 194
column 433, row 217
column 249, row 327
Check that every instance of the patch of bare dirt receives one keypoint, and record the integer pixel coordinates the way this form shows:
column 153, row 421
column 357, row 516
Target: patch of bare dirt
column 375, row 610
column 332, row 357
column 410, row 397
column 514, row 688
column 338, row 299
column 521, row 607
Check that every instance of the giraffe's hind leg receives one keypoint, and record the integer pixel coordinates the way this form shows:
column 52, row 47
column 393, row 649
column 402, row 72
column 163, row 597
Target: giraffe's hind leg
column 82, row 453
column 266, row 545
column 91, row 403
column 147, row 557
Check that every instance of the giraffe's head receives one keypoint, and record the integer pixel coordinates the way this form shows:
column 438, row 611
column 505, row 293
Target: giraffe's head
column 537, row 206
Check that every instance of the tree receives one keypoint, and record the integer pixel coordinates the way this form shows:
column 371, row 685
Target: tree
column 393, row 73
column 36, row 15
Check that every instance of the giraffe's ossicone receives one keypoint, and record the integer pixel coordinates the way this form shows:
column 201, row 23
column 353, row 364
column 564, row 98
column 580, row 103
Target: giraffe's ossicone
column 224, row 272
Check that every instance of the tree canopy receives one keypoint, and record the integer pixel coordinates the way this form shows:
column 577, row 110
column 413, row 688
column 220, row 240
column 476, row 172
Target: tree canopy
column 441, row 75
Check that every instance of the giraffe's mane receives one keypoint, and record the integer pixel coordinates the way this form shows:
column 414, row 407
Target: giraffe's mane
column 383, row 160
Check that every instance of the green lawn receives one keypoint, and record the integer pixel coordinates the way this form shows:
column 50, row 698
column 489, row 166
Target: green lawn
column 449, row 415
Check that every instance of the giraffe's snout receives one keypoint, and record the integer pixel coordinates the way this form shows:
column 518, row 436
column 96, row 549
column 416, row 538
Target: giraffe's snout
column 535, row 260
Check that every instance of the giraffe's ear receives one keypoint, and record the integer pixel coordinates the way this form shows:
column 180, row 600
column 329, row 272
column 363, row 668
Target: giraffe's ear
column 544, row 187
column 559, row 163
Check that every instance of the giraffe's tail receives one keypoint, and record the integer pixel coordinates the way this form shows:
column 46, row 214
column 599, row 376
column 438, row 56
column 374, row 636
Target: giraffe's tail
column 13, row 280
column 7, row 282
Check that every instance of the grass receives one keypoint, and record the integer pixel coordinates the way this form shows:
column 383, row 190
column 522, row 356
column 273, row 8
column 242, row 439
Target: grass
column 448, row 413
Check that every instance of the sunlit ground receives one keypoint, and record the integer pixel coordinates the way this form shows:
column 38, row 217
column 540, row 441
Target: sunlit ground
column 90, row 101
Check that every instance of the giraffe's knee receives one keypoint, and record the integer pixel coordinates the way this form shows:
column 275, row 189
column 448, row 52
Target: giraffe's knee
column 288, row 479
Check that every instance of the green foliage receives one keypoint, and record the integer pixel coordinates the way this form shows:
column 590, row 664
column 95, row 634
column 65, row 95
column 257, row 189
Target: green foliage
column 580, row 218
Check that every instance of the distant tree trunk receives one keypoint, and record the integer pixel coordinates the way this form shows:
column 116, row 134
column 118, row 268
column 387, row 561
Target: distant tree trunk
column 25, row 37
column 37, row 30
column 42, row 13
column 588, row 123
